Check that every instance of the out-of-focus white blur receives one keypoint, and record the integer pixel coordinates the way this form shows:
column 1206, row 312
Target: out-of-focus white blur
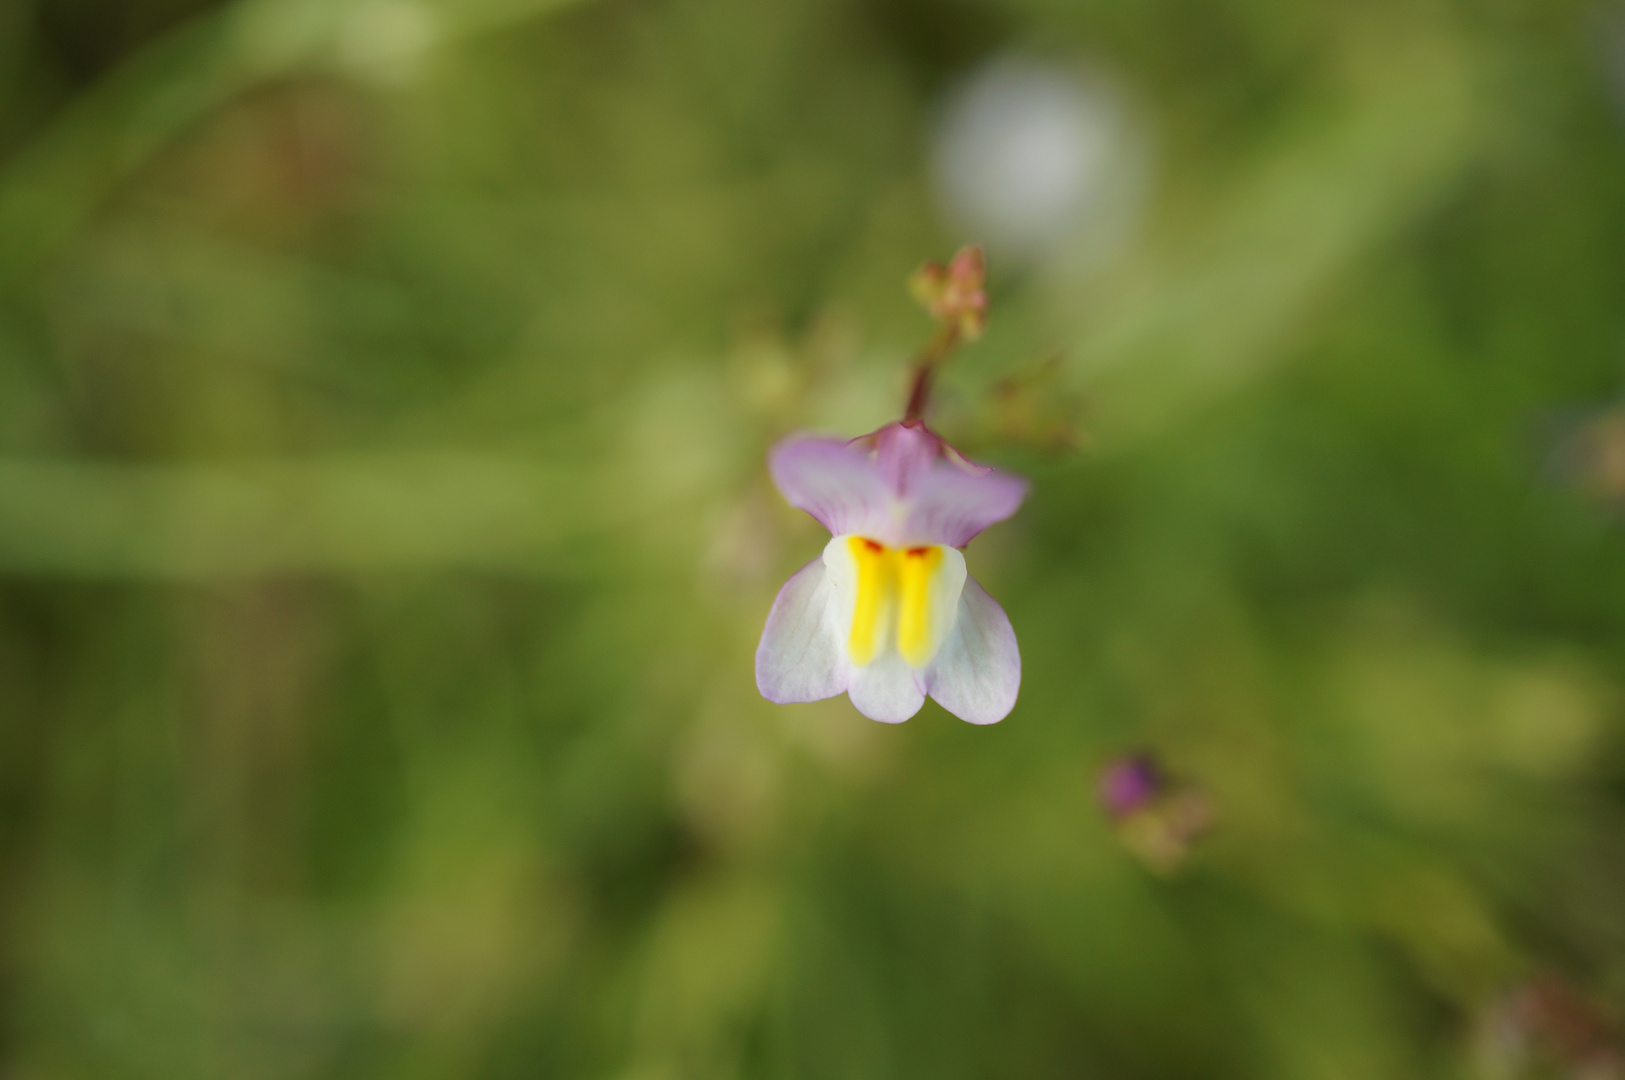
column 1031, row 156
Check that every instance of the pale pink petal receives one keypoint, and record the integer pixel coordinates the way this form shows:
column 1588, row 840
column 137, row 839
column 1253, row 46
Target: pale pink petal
column 952, row 502
column 887, row 690
column 977, row 674
column 905, row 454
column 801, row 657
column 836, row 482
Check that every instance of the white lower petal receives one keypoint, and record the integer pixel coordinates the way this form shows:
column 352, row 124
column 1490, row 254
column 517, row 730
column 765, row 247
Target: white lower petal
column 977, row 674
column 802, row 656
column 887, row 690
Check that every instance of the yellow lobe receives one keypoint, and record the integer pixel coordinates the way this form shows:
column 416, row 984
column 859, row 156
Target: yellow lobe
column 895, row 596
column 872, row 600
column 916, row 625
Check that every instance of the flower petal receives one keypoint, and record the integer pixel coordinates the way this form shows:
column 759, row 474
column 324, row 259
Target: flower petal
column 802, row 656
column 887, row 690
column 862, row 597
column 882, row 597
column 838, row 484
column 953, row 502
column 904, row 454
column 978, row 672
column 930, row 580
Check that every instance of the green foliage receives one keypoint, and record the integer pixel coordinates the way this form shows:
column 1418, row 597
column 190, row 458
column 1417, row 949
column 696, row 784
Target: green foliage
column 385, row 535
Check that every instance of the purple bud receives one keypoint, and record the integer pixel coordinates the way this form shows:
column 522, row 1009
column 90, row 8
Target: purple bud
column 1128, row 784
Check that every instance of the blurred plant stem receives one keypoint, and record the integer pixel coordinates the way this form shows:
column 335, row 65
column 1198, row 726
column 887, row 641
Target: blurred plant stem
column 196, row 522
column 51, row 189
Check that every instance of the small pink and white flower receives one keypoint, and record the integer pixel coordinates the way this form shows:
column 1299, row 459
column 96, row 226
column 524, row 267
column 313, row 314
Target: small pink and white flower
column 887, row 614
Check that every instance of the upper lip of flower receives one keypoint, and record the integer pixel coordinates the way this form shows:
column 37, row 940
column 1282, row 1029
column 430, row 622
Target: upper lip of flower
column 900, row 485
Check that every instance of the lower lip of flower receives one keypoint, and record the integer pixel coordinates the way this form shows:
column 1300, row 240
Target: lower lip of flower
column 893, row 593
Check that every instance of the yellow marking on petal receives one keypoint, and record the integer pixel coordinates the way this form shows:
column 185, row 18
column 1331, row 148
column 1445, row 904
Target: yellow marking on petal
column 874, row 599
column 916, row 568
column 895, row 596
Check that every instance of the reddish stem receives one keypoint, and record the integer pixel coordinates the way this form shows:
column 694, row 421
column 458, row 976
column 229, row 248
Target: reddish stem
column 925, row 367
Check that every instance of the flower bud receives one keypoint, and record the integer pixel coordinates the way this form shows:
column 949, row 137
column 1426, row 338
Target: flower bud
column 956, row 294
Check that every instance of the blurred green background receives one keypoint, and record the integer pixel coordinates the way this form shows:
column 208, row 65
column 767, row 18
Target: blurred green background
column 385, row 536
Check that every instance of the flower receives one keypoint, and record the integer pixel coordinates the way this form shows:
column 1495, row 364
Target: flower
column 887, row 614
column 1158, row 817
column 1128, row 784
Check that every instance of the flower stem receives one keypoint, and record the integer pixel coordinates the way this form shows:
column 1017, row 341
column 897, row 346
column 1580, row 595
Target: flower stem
column 925, row 368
